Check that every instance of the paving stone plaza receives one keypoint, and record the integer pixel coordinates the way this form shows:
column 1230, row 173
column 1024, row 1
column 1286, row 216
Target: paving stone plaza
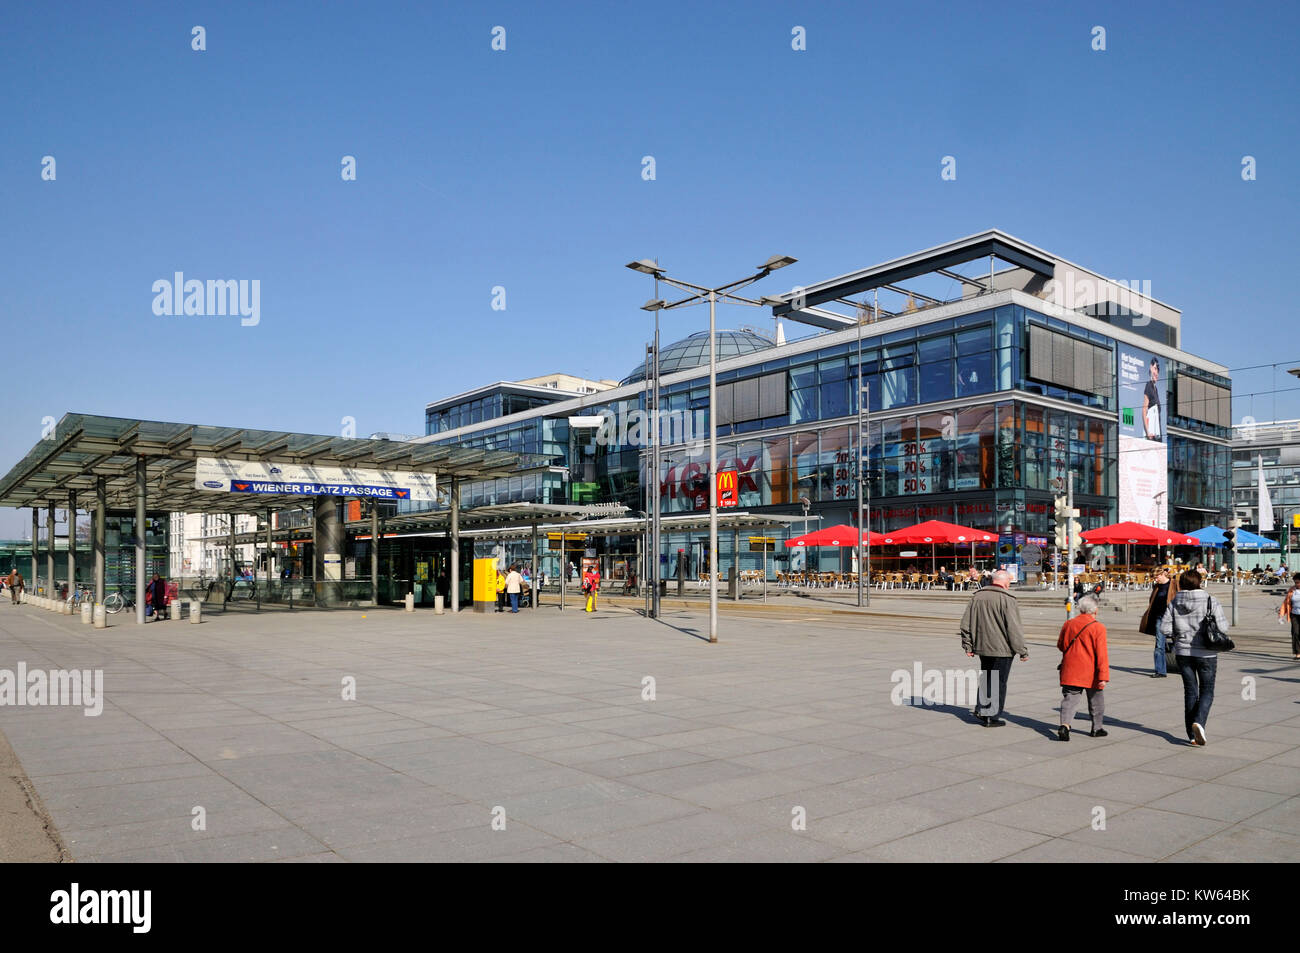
column 540, row 737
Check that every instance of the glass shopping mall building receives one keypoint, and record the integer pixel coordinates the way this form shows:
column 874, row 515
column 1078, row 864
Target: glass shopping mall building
column 996, row 372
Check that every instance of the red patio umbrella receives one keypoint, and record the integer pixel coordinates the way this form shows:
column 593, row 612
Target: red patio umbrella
column 841, row 535
column 1130, row 533
column 937, row 531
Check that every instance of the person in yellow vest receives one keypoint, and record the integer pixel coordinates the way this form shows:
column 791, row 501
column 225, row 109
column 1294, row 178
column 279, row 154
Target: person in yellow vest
column 591, row 586
column 501, row 590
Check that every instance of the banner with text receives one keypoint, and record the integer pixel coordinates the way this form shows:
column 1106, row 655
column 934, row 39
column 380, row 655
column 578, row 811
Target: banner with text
column 240, row 476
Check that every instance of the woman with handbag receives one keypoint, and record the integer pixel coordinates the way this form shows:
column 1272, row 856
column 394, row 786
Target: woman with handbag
column 1163, row 589
column 1084, row 667
column 1198, row 628
column 1291, row 607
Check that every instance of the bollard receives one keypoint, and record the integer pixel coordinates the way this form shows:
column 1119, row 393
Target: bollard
column 65, row 608
column 437, row 605
column 196, row 611
column 87, row 612
column 174, row 610
column 101, row 617
column 410, row 602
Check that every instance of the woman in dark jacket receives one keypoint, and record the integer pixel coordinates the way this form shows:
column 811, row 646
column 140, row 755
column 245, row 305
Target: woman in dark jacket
column 158, row 597
column 1197, row 663
column 1163, row 589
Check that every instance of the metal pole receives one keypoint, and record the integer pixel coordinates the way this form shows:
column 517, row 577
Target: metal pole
column 140, row 553
column 735, row 560
column 374, row 554
column 49, row 549
column 72, row 542
column 101, row 504
column 270, row 548
column 655, row 542
column 537, row 589
column 713, row 470
column 454, row 533
column 643, row 540
column 1069, row 545
column 36, row 536
column 564, row 566
column 858, row 466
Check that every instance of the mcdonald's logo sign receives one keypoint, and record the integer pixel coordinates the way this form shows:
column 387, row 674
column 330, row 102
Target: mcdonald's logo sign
column 728, row 494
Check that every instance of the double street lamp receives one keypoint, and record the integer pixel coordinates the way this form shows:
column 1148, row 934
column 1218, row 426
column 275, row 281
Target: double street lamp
column 698, row 294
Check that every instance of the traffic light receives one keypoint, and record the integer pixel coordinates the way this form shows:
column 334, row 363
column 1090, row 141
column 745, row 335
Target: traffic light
column 1228, row 537
column 1067, row 527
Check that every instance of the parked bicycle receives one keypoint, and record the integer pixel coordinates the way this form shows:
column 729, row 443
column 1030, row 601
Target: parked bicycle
column 115, row 602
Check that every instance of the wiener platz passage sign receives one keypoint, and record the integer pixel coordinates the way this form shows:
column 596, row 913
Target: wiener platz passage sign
column 241, row 476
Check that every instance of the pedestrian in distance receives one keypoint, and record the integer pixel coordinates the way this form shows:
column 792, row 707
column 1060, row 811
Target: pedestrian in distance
column 1084, row 667
column 16, row 586
column 591, row 586
column 513, row 585
column 501, row 591
column 1163, row 588
column 1184, row 621
column 157, row 597
column 1291, row 607
column 991, row 628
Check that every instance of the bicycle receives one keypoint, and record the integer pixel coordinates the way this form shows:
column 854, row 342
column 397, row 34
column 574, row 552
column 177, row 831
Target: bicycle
column 115, row 602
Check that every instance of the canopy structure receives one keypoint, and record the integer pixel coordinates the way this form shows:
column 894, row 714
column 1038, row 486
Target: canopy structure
column 1213, row 536
column 1138, row 534
column 119, row 464
column 935, row 532
column 841, row 535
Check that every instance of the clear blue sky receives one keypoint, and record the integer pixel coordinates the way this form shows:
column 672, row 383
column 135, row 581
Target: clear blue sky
column 522, row 169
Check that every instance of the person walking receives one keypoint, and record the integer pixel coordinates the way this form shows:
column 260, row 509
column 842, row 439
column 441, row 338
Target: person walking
column 1163, row 588
column 513, row 585
column 12, row 584
column 501, row 591
column 591, row 586
column 158, row 597
column 1197, row 663
column 991, row 628
column 16, row 587
column 1084, row 666
column 1291, row 607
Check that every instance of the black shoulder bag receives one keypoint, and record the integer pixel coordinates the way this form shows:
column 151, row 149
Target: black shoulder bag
column 1213, row 638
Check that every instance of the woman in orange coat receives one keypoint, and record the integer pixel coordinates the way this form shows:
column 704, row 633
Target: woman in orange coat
column 1084, row 667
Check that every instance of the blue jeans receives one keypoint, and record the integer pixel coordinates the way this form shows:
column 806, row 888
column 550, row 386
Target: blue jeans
column 1160, row 654
column 1198, row 688
column 514, row 602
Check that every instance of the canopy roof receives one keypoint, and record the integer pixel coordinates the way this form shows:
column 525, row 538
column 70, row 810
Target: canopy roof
column 82, row 447
column 1213, row 536
column 937, row 531
column 841, row 535
column 1139, row 534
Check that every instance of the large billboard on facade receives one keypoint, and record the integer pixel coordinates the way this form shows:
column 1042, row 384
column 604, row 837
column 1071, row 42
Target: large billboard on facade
column 241, row 476
column 1143, row 456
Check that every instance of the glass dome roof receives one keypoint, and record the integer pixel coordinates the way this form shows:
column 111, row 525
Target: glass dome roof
column 693, row 351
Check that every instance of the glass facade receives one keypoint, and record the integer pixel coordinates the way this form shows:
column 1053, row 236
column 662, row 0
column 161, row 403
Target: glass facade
column 964, row 427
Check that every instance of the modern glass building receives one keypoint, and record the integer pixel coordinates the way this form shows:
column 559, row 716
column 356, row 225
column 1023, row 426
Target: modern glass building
column 1276, row 445
column 982, row 406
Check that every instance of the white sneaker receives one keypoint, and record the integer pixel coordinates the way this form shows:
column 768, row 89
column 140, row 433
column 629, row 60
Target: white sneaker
column 1198, row 733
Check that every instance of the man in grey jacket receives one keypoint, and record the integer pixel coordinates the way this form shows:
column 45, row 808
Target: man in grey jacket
column 991, row 629
column 1196, row 663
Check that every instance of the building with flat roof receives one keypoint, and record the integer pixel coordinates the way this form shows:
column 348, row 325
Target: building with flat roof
column 996, row 372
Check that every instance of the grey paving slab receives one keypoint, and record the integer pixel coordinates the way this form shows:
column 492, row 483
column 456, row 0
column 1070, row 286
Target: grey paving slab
column 456, row 715
column 1242, row 845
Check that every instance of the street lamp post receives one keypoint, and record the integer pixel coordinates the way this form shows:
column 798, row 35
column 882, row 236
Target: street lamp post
column 699, row 293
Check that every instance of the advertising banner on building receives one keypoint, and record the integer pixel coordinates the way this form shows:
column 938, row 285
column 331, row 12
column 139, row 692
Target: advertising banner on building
column 1143, row 457
column 240, row 476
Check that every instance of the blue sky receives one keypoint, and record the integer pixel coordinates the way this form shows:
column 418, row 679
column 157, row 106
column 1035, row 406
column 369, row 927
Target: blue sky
column 522, row 169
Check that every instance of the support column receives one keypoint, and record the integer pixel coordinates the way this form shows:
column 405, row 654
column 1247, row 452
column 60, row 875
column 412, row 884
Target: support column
column 49, row 550
column 735, row 562
column 328, row 536
column 72, row 542
column 374, row 554
column 231, row 527
column 270, row 548
column 454, row 533
column 141, row 567
column 537, row 590
column 101, row 503
column 36, row 542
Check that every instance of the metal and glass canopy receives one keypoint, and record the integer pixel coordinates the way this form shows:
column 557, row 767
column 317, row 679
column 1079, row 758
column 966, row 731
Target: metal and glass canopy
column 81, row 448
